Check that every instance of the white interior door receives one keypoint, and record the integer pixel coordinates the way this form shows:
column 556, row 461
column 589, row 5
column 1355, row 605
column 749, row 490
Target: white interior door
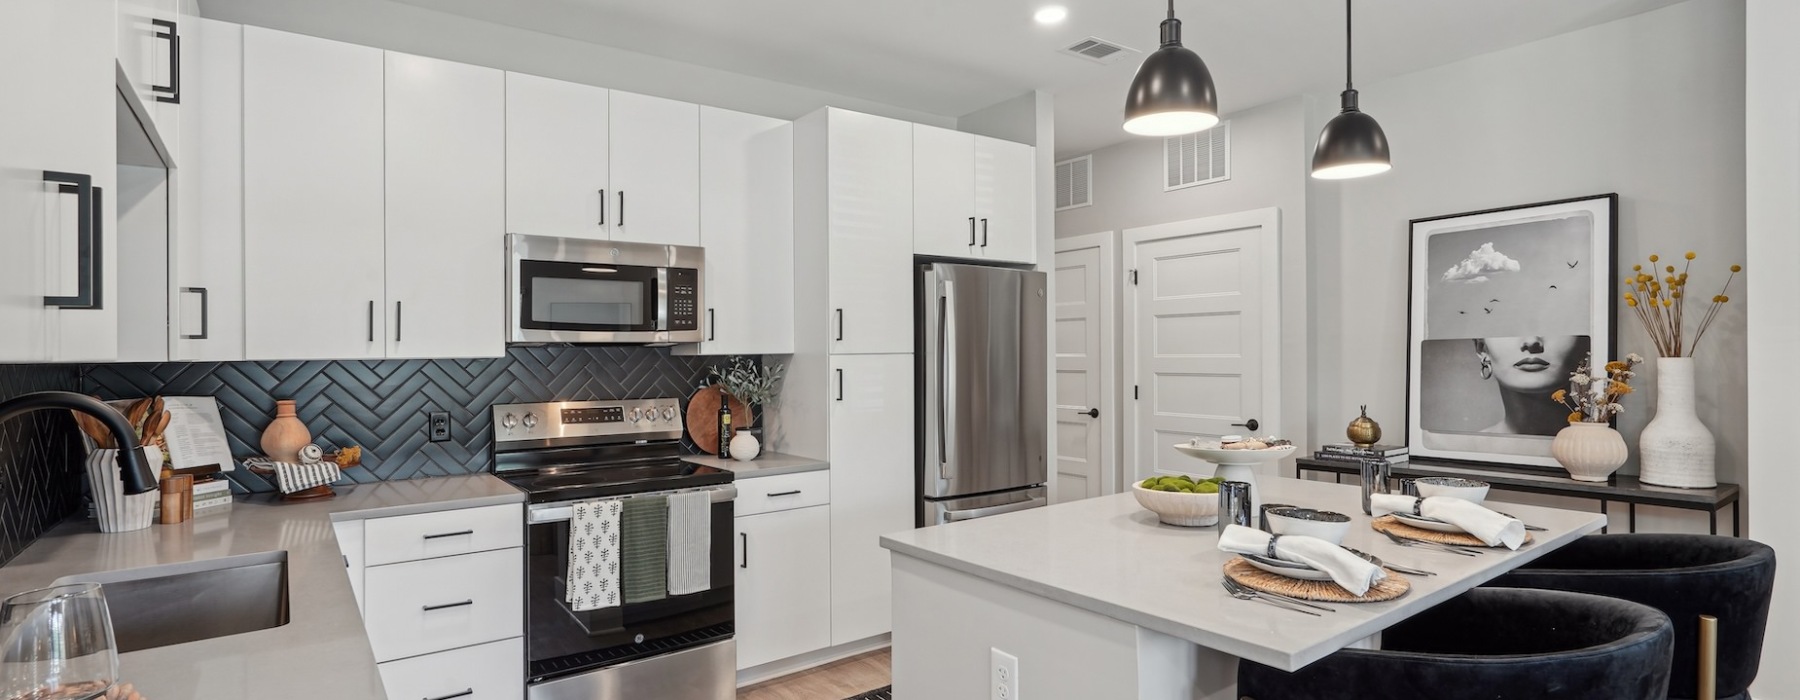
column 1085, row 368
column 1202, row 337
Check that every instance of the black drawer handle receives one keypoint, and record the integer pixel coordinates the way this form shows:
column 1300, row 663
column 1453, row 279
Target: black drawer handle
column 444, row 606
column 465, row 693
column 449, row 534
column 745, row 537
column 794, row 492
column 173, row 89
column 205, row 313
column 602, row 207
column 88, row 259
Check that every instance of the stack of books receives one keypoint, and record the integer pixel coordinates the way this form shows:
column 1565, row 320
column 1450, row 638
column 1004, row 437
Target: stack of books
column 212, row 494
column 1394, row 455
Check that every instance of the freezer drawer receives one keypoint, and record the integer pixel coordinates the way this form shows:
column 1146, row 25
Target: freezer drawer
column 938, row 512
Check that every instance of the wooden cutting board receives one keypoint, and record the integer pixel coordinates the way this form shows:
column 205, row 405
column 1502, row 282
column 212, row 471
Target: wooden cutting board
column 703, row 417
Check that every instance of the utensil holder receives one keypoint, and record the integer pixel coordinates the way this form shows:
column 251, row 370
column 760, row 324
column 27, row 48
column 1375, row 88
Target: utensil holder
column 115, row 511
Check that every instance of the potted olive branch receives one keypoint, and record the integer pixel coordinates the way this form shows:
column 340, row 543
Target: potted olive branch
column 754, row 383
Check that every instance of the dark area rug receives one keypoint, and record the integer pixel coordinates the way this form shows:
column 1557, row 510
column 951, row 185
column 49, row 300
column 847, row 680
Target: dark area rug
column 886, row 693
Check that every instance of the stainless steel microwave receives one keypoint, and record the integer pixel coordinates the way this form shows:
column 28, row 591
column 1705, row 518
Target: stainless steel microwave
column 574, row 290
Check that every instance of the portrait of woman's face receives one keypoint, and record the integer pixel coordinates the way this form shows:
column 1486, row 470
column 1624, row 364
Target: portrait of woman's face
column 1533, row 364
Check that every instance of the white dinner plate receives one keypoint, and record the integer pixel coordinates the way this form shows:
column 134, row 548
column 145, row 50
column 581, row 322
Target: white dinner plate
column 1286, row 568
column 1433, row 524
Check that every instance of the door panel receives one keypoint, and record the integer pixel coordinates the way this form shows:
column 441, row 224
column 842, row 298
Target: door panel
column 556, row 158
column 872, row 491
column 943, row 192
column 783, row 584
column 1006, row 200
column 209, row 241
column 655, row 146
column 747, row 213
column 1080, row 324
column 871, row 234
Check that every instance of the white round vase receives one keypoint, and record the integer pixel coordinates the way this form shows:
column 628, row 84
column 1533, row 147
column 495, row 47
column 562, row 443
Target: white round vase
column 115, row 511
column 1590, row 451
column 1676, row 449
column 744, row 446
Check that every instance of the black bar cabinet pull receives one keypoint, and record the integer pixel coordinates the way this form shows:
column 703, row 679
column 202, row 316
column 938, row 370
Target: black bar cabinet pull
column 172, row 91
column 971, row 230
column 444, row 606
column 745, row 538
column 205, row 312
column 984, row 233
column 621, row 207
column 712, row 326
column 603, row 207
column 840, row 377
column 87, row 247
column 465, row 693
column 371, row 320
column 459, row 533
column 397, row 321
column 840, row 324
column 794, row 492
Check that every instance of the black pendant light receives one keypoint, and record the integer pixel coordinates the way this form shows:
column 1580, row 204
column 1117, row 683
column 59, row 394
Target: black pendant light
column 1352, row 144
column 1173, row 91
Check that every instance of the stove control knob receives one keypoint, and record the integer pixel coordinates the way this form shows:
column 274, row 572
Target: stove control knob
column 650, row 415
column 530, row 421
column 508, row 421
column 668, row 414
column 637, row 414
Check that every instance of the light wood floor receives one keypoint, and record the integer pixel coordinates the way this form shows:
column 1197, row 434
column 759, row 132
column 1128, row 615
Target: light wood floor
column 834, row 681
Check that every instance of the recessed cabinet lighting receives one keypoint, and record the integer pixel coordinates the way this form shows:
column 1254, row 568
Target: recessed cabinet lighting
column 1053, row 14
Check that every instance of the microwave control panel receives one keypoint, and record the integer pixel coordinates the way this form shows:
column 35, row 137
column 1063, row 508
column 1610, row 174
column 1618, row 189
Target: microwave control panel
column 684, row 299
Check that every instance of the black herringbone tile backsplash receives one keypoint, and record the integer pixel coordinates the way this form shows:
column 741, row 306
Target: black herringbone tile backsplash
column 40, row 459
column 382, row 404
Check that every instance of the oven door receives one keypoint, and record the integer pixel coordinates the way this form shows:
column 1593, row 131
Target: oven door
column 562, row 643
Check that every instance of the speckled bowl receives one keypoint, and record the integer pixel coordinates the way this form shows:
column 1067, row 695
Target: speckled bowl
column 1454, row 487
column 1308, row 522
column 1180, row 509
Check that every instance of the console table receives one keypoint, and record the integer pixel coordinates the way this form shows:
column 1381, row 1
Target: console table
column 1620, row 489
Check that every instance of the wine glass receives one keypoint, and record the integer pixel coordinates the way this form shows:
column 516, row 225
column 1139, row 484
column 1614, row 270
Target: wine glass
column 57, row 644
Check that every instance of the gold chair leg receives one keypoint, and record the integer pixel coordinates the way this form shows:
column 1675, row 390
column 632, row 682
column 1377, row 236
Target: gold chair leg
column 1709, row 658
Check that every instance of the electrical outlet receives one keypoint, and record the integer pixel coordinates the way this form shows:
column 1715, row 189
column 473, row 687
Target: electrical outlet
column 1003, row 675
column 439, row 426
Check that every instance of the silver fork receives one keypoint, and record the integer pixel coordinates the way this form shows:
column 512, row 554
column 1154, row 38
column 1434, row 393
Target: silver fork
column 1433, row 546
column 1241, row 588
column 1266, row 601
column 1372, row 559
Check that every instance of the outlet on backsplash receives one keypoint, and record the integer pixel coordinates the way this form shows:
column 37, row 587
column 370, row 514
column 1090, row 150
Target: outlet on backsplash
column 439, row 422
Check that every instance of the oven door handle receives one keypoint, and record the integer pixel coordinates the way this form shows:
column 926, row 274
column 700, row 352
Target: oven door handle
column 561, row 512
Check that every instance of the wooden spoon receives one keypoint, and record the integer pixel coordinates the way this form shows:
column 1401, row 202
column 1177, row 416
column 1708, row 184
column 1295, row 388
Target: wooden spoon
column 94, row 429
column 158, row 424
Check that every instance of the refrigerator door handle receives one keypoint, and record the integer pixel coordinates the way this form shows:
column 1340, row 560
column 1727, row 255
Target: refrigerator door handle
column 951, row 516
column 946, row 374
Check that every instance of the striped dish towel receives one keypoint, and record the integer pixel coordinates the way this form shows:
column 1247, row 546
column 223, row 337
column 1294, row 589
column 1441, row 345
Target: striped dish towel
column 593, row 574
column 690, row 542
column 645, row 548
column 293, row 478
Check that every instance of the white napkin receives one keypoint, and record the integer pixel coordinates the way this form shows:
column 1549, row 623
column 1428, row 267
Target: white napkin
column 1348, row 570
column 1491, row 528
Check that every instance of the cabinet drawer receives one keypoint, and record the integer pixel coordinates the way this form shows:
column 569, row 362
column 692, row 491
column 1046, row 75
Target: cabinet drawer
column 443, row 534
column 436, row 604
column 493, row 671
column 767, row 494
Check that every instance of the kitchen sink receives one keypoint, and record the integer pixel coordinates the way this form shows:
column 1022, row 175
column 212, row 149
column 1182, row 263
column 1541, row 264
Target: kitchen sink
column 178, row 603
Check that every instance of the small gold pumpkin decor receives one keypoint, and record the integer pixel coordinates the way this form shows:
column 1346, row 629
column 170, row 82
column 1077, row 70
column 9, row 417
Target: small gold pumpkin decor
column 1364, row 431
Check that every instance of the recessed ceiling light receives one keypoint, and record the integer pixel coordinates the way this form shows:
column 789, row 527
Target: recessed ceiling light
column 1053, row 14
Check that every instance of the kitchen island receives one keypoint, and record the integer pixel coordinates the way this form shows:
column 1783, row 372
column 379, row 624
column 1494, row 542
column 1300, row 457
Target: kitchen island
column 321, row 652
column 1096, row 599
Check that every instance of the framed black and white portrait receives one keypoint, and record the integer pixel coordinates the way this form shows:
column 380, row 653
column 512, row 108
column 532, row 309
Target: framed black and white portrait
column 1505, row 304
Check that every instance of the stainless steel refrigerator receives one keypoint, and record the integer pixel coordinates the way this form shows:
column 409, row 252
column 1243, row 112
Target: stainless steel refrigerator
column 982, row 408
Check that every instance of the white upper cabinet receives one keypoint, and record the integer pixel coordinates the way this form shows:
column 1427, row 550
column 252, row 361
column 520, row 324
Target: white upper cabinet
column 944, row 221
column 446, row 208
column 58, row 162
column 313, row 200
column 1006, row 200
column 747, row 227
column 208, row 244
column 870, row 233
column 655, row 155
column 556, row 158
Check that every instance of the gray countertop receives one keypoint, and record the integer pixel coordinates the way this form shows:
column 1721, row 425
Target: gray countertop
column 322, row 652
column 1109, row 556
column 765, row 464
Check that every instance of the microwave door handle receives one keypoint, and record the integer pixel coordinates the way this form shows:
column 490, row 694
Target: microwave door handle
column 661, row 322
column 946, row 376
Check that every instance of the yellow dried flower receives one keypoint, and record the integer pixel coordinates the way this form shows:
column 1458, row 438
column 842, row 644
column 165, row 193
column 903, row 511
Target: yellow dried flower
column 1737, row 268
column 1690, row 255
column 1637, row 268
column 1670, row 269
column 1575, row 417
column 1559, row 395
column 1676, row 295
column 1724, row 299
column 1653, row 258
column 1631, row 302
column 1619, row 387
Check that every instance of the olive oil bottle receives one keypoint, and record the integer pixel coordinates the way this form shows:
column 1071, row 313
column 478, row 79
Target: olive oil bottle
column 724, row 425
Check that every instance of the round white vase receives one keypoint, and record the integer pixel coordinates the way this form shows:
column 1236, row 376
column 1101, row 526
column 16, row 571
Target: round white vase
column 115, row 511
column 744, row 446
column 1676, row 449
column 1590, row 451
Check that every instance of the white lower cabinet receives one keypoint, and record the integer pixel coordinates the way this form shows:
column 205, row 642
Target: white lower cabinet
column 783, row 584
column 485, row 672
column 872, row 487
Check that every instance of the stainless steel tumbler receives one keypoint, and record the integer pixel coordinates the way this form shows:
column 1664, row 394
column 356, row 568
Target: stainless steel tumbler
column 1262, row 516
column 1375, row 474
column 1234, row 505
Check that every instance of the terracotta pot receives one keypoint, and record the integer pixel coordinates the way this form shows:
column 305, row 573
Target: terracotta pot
column 1676, row 448
column 284, row 437
column 1590, row 451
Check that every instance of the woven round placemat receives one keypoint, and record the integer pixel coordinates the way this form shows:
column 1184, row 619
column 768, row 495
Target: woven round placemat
column 1242, row 572
column 1391, row 524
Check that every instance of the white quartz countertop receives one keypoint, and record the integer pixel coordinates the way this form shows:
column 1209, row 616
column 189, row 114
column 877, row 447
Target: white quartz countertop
column 322, row 652
column 1110, row 556
column 765, row 464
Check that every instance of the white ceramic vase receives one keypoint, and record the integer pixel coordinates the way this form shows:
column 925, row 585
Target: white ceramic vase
column 1590, row 451
column 115, row 511
column 744, row 446
column 1676, row 449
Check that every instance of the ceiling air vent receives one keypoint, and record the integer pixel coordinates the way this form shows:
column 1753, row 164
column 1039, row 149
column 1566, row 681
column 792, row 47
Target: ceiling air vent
column 1098, row 50
column 1197, row 159
column 1075, row 182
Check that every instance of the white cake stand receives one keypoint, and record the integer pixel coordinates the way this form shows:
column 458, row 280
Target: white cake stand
column 1236, row 465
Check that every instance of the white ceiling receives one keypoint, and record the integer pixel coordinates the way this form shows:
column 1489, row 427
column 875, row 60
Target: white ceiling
column 953, row 57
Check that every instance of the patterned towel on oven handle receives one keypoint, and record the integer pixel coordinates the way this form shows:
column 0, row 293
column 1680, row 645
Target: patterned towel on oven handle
column 593, row 574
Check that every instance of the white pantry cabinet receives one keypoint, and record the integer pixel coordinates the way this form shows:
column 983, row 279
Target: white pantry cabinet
column 869, row 232
column 58, row 161
column 747, row 227
column 655, row 164
column 208, row 241
column 556, row 158
column 783, row 584
column 446, row 208
column 973, row 196
column 871, row 486
column 313, row 198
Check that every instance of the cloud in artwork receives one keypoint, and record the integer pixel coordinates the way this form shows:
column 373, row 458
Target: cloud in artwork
column 1481, row 262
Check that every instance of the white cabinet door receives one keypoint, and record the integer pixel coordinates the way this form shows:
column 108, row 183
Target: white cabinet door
column 313, row 209
column 747, row 224
column 208, row 244
column 1006, row 200
column 872, row 488
column 783, row 584
column 489, row 671
column 869, row 188
column 59, row 117
column 655, row 149
column 556, row 158
column 446, row 208
column 944, row 221
column 433, row 605
column 350, row 544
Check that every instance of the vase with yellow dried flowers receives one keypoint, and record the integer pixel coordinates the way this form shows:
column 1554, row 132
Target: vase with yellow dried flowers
column 1676, row 448
column 1589, row 447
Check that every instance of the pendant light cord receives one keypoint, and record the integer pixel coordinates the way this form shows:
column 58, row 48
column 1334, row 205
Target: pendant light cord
column 1348, row 54
column 1171, row 9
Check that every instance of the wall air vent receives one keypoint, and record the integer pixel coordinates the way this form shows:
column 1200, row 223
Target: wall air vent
column 1075, row 182
column 1098, row 50
column 1197, row 159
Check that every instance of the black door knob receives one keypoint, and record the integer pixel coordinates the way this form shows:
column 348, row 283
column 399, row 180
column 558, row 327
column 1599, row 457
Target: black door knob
column 1093, row 413
column 1251, row 424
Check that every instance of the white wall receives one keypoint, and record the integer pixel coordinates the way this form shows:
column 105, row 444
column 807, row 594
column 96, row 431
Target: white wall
column 1773, row 179
column 400, row 27
column 1650, row 107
